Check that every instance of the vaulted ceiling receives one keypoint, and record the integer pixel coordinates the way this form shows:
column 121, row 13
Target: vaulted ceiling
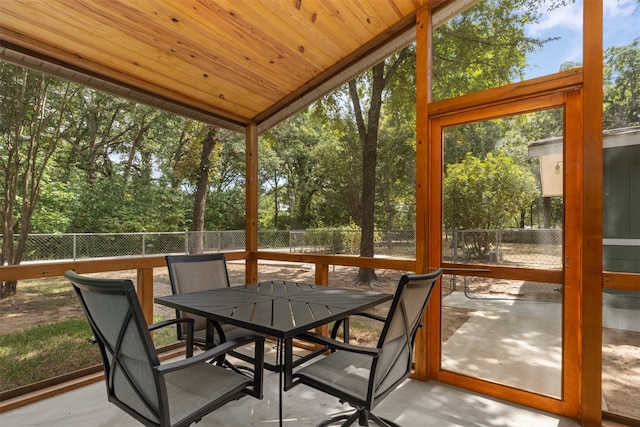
column 224, row 62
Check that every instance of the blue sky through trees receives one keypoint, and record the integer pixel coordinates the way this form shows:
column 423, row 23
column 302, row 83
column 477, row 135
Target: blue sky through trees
column 621, row 27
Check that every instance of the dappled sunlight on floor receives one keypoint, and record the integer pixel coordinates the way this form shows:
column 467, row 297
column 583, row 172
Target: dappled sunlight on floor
column 508, row 342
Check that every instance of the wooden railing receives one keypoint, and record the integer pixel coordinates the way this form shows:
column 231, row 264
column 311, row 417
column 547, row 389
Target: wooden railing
column 145, row 265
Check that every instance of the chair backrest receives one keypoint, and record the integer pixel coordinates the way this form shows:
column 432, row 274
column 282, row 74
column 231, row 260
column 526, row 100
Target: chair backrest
column 399, row 332
column 128, row 355
column 193, row 273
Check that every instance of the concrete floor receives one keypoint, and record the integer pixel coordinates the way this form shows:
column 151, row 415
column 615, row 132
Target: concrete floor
column 414, row 404
column 516, row 343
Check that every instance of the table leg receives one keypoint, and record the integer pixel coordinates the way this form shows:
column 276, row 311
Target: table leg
column 279, row 362
column 209, row 334
column 287, row 366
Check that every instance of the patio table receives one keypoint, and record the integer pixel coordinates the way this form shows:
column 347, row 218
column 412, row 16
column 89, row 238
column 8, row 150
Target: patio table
column 276, row 308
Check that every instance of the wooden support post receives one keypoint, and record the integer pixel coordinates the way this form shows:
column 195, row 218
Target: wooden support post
column 322, row 279
column 591, row 245
column 322, row 274
column 251, row 209
column 144, row 288
column 423, row 97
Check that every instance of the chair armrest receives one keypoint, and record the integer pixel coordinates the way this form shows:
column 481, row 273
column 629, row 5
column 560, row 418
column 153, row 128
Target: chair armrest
column 170, row 322
column 338, row 323
column 372, row 316
column 216, row 351
column 320, row 339
column 190, row 325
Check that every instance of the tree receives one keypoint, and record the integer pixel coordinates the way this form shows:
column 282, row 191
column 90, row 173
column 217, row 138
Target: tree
column 484, row 47
column 101, row 127
column 484, row 194
column 202, row 186
column 338, row 161
column 294, row 148
column 33, row 123
column 271, row 177
column 622, row 86
column 115, row 152
column 226, row 201
column 371, row 88
column 193, row 164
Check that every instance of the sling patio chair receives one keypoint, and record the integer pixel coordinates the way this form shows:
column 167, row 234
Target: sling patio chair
column 363, row 376
column 172, row 394
column 201, row 272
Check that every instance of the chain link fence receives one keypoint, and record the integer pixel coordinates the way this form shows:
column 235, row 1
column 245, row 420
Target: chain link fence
column 43, row 247
column 524, row 248
column 400, row 243
column 532, row 248
column 512, row 247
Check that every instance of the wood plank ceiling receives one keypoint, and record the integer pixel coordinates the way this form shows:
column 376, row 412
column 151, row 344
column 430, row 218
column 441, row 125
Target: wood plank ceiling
column 225, row 62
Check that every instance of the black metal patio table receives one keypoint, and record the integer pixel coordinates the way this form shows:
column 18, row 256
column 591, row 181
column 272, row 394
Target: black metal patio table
column 276, row 308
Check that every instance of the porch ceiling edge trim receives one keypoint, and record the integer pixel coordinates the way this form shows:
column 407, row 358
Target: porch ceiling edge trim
column 41, row 63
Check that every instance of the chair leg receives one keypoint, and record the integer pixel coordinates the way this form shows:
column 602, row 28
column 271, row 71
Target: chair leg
column 362, row 416
column 349, row 419
column 363, row 420
column 382, row 421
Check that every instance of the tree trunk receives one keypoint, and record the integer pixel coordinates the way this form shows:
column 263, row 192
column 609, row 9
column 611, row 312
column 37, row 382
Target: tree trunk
column 133, row 150
column 368, row 133
column 196, row 244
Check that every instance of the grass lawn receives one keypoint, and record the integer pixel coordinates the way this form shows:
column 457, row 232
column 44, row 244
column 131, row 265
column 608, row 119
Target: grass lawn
column 44, row 352
column 54, row 349
column 44, row 334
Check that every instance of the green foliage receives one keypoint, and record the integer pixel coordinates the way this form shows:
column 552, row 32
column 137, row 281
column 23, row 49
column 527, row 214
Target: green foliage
column 340, row 158
column 225, row 210
column 485, row 193
column 348, row 240
column 293, row 172
column 621, row 91
column 622, row 86
column 33, row 125
column 483, row 48
column 395, row 175
column 110, row 205
column 51, row 214
column 186, row 159
column 477, row 138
